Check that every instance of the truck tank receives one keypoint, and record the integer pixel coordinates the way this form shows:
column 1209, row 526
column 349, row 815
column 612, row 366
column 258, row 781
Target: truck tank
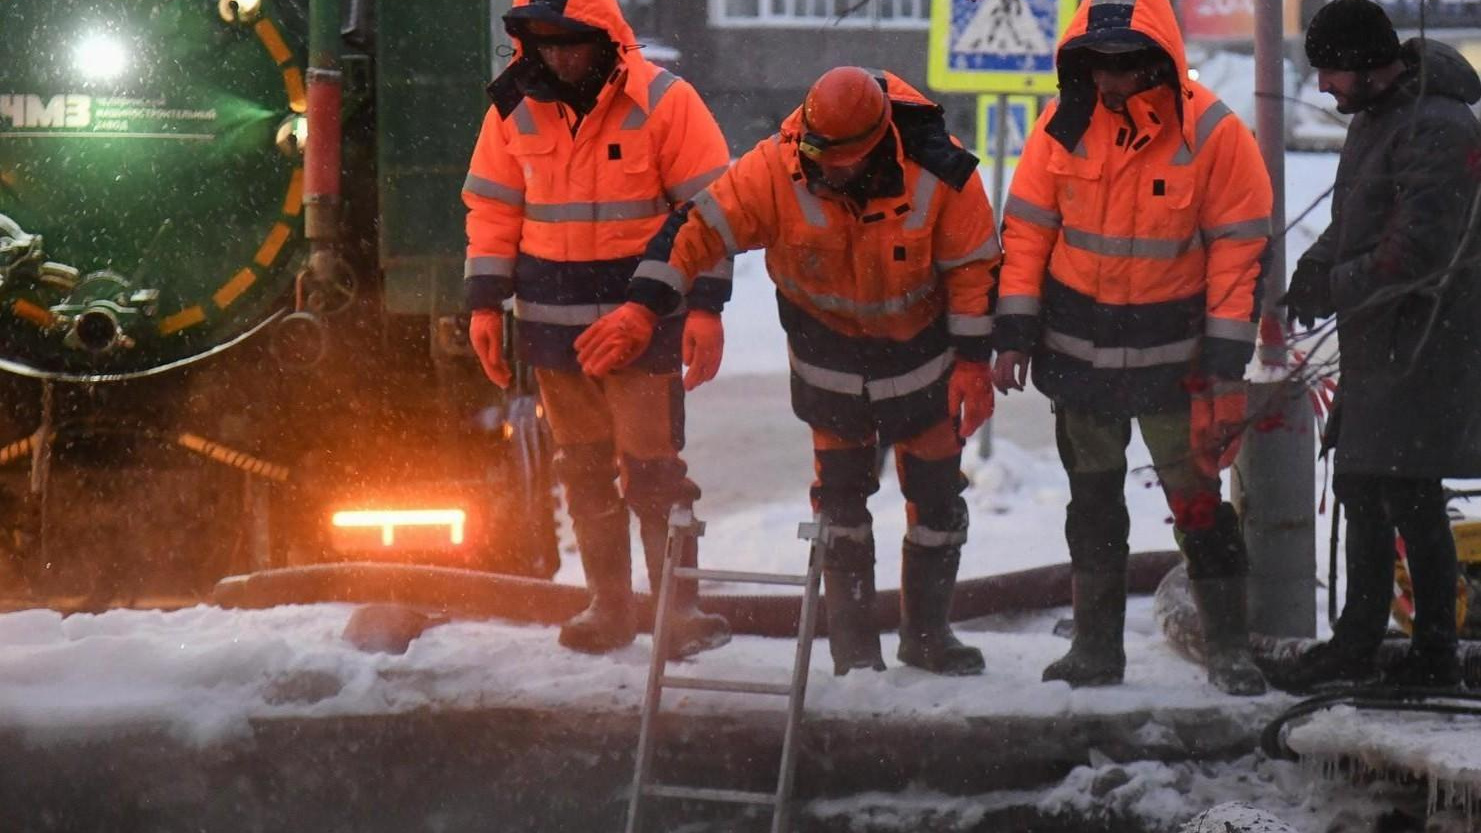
column 150, row 179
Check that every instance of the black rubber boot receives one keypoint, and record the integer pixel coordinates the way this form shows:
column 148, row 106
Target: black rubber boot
column 927, row 579
column 1226, row 636
column 848, row 595
column 1096, row 528
column 1097, row 654
column 690, row 630
column 1217, row 566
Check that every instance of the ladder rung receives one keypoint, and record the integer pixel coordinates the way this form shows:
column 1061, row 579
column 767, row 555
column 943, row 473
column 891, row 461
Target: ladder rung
column 741, row 686
column 703, row 794
column 740, row 577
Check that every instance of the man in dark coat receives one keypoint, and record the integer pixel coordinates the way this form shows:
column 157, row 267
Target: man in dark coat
column 1398, row 267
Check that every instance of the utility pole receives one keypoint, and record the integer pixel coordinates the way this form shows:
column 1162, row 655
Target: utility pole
column 1275, row 475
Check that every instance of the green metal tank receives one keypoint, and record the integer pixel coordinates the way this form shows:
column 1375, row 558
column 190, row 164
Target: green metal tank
column 150, row 179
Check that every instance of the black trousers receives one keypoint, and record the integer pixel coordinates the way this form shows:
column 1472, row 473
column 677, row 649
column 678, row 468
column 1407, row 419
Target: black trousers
column 1377, row 507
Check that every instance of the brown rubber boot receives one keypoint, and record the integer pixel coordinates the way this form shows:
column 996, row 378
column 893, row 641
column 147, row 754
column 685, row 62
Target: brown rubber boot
column 690, row 630
column 608, row 623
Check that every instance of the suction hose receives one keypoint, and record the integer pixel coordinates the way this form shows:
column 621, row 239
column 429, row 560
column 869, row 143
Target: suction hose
column 472, row 594
column 1177, row 615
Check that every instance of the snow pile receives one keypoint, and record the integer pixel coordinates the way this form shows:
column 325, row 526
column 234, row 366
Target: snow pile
column 204, row 673
column 1249, row 795
column 1345, row 742
column 1244, row 794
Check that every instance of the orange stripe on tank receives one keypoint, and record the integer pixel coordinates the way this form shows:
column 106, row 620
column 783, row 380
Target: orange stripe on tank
column 272, row 40
column 188, row 317
column 233, row 289
column 272, row 245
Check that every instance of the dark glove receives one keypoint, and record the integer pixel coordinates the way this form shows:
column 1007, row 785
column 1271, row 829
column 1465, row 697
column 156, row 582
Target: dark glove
column 1310, row 295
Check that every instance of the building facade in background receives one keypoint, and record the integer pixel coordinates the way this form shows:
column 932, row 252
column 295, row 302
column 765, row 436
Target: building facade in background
column 752, row 60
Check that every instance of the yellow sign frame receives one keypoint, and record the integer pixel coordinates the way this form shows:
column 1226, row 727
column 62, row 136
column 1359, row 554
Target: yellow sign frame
column 942, row 77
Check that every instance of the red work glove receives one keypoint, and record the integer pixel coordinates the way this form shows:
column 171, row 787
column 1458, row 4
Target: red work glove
column 486, row 335
column 1217, row 423
column 969, row 398
column 704, row 347
column 616, row 339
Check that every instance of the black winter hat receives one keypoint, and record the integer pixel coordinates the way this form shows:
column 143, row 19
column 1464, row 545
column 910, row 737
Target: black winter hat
column 1351, row 35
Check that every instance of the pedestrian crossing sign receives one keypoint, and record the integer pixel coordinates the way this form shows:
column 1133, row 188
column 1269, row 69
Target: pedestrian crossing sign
column 996, row 46
column 1023, row 111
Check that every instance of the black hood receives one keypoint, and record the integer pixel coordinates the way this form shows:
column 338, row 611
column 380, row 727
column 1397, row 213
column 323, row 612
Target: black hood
column 1445, row 72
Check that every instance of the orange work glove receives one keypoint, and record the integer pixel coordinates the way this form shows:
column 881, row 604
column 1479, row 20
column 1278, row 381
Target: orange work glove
column 486, row 335
column 616, row 339
column 1217, row 422
column 969, row 398
column 704, row 347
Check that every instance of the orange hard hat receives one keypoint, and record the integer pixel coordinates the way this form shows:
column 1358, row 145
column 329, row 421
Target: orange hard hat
column 845, row 115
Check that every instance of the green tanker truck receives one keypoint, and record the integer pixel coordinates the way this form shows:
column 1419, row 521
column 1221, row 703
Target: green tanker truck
column 230, row 295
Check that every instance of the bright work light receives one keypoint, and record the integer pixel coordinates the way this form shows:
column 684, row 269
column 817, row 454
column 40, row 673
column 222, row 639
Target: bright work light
column 100, row 58
column 239, row 11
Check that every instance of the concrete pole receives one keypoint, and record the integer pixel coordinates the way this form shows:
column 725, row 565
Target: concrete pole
column 1275, row 475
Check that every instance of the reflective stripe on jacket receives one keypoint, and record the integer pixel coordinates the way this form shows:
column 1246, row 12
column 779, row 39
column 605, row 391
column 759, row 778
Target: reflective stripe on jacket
column 557, row 217
column 868, row 294
column 1138, row 247
column 886, row 271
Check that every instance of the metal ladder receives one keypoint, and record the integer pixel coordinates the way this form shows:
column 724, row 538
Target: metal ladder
column 683, row 525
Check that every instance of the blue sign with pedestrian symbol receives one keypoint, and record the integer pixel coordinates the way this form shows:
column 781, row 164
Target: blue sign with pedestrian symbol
column 1023, row 110
column 997, row 46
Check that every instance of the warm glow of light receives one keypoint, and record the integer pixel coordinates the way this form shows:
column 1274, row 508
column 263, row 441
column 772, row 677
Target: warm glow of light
column 240, row 11
column 388, row 520
column 100, row 58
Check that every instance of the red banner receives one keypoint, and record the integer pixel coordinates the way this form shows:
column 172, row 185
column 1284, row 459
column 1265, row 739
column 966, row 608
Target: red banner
column 1225, row 20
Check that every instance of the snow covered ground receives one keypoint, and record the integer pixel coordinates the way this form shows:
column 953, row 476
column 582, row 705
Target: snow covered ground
column 203, row 673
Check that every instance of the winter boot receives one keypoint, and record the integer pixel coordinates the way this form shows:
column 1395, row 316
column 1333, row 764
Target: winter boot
column 608, row 623
column 690, row 630
column 1324, row 663
column 1097, row 654
column 1217, row 565
column 848, row 594
column 927, row 579
column 1226, row 636
column 1422, row 667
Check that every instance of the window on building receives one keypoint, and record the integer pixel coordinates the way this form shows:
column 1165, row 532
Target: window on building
column 894, row 14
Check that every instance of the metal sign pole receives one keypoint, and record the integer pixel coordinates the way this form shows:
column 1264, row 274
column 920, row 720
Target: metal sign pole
column 1275, row 475
column 999, row 188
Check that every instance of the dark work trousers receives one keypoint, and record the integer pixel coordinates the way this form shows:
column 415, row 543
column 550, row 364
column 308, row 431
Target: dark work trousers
column 1377, row 507
column 1092, row 448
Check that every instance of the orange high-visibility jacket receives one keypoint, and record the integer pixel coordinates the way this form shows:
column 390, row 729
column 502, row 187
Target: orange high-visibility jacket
column 873, row 298
column 559, row 217
column 1134, row 240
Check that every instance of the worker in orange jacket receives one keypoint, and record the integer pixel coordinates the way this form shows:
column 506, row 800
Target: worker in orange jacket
column 586, row 148
column 881, row 242
column 1133, row 237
